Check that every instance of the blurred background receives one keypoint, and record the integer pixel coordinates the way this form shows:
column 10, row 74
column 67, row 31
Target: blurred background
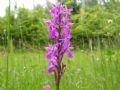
column 95, row 38
column 96, row 22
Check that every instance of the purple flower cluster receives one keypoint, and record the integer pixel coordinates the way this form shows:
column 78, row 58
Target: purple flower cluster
column 59, row 32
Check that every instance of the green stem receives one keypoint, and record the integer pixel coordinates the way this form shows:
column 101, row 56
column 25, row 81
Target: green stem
column 58, row 83
column 57, row 86
column 8, row 48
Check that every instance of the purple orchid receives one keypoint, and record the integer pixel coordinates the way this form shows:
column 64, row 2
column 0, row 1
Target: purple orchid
column 59, row 32
column 47, row 87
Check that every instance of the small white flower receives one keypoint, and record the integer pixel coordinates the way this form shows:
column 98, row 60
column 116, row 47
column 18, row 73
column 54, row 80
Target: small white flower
column 110, row 21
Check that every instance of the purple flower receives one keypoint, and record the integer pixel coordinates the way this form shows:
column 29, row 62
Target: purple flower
column 47, row 87
column 69, row 55
column 59, row 31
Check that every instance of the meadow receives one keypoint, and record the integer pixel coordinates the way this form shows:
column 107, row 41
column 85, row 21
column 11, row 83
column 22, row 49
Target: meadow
column 95, row 37
column 87, row 70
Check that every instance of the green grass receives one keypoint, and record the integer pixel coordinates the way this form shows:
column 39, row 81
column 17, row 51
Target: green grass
column 88, row 70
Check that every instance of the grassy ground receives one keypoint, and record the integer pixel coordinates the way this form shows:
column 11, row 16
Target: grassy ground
column 88, row 70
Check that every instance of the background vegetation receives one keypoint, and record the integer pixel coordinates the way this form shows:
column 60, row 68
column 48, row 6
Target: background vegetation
column 95, row 21
column 95, row 37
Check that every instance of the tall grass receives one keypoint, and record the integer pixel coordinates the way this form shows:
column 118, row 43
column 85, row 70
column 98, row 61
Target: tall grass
column 86, row 71
column 8, row 48
column 96, row 68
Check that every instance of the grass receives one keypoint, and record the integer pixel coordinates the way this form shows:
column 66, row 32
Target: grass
column 88, row 70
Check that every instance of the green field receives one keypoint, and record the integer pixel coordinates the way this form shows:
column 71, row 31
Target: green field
column 88, row 70
column 95, row 37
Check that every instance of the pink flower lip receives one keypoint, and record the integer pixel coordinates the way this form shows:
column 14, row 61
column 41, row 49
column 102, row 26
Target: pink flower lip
column 47, row 87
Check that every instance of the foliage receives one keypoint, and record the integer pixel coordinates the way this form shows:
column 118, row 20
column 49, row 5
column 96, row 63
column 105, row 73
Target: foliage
column 97, row 70
column 96, row 21
column 27, row 28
